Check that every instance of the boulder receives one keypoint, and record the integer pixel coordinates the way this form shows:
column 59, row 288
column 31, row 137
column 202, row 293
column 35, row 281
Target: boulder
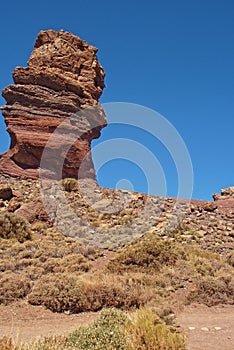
column 5, row 192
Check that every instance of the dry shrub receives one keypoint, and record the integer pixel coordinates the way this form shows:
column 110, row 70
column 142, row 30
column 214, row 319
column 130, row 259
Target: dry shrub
column 14, row 226
column 7, row 344
column 61, row 292
column 147, row 255
column 230, row 258
column 212, row 277
column 213, row 290
column 13, row 286
column 147, row 331
column 73, row 263
column 44, row 254
column 34, row 272
column 70, row 184
column 48, row 343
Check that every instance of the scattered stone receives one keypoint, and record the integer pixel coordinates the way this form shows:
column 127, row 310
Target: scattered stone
column 221, row 227
column 205, row 329
column 5, row 192
column 13, row 205
column 210, row 206
column 34, row 211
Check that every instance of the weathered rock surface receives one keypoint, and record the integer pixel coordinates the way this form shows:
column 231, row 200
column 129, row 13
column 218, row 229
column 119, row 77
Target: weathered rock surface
column 63, row 77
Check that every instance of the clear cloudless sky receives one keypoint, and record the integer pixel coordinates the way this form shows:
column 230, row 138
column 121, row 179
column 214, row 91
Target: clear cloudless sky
column 176, row 57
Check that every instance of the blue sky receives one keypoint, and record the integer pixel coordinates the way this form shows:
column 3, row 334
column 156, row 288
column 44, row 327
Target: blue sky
column 175, row 57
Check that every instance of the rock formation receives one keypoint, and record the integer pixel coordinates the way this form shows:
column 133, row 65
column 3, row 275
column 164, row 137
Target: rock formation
column 63, row 77
column 225, row 200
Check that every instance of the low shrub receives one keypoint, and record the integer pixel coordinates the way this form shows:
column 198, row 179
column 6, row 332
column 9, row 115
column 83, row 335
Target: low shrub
column 14, row 226
column 108, row 332
column 62, row 292
column 213, row 291
column 147, row 331
column 147, row 255
column 13, row 286
column 70, row 184
column 230, row 258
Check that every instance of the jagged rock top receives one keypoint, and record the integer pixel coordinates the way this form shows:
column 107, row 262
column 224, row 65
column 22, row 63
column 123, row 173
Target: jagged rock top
column 63, row 62
column 226, row 193
column 63, row 76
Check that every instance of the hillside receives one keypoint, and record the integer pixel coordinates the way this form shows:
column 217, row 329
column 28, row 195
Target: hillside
column 86, row 267
column 163, row 269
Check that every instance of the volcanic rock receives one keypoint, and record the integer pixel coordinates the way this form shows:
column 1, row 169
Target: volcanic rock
column 226, row 193
column 225, row 200
column 5, row 192
column 59, row 88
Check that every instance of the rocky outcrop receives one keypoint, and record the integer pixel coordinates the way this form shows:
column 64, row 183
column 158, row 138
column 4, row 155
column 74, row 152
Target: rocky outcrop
column 63, row 77
column 132, row 214
column 226, row 193
column 225, row 200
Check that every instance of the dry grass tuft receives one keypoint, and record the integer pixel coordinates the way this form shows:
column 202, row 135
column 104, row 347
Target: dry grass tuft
column 14, row 226
column 147, row 331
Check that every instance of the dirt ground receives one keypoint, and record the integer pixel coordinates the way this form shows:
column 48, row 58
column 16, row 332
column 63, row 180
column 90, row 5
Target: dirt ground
column 24, row 322
column 206, row 328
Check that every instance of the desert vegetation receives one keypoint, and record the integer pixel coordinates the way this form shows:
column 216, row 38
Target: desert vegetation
column 113, row 330
column 136, row 290
column 14, row 226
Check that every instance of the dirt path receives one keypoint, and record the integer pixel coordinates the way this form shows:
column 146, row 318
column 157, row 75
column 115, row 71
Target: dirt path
column 24, row 322
column 208, row 328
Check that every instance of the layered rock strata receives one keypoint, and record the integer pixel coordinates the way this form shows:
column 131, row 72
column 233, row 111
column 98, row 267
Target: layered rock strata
column 63, row 77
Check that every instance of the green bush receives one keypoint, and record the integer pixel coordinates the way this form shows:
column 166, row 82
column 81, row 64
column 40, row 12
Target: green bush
column 14, row 226
column 108, row 332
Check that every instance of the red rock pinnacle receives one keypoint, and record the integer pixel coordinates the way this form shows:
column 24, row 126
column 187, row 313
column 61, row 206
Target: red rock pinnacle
column 63, row 77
